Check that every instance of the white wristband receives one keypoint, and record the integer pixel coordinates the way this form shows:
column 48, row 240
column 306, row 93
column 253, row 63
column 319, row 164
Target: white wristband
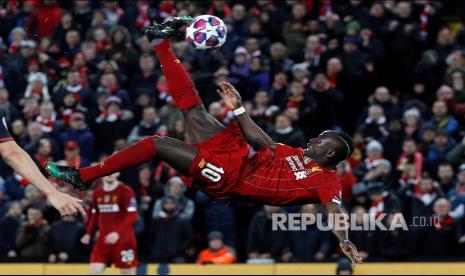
column 239, row 111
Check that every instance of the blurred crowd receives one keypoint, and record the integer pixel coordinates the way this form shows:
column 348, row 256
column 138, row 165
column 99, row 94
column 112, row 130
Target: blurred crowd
column 78, row 81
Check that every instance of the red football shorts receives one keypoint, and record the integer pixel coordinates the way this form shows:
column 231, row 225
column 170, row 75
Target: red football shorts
column 216, row 168
column 123, row 254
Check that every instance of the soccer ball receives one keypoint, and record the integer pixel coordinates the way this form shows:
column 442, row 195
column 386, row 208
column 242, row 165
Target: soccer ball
column 206, row 32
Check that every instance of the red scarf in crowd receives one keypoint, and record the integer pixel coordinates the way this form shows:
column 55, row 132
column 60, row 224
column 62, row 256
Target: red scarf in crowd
column 439, row 225
column 424, row 18
column 143, row 18
column 377, row 208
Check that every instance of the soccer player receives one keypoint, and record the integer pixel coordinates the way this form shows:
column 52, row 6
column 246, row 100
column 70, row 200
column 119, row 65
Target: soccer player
column 22, row 163
column 217, row 158
column 114, row 213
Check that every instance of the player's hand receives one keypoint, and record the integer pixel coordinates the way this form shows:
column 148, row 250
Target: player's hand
column 85, row 239
column 112, row 238
column 66, row 204
column 350, row 251
column 231, row 97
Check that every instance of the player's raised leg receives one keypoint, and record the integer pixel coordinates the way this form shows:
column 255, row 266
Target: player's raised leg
column 177, row 154
column 200, row 125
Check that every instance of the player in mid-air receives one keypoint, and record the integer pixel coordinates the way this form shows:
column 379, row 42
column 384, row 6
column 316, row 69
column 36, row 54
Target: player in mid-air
column 113, row 212
column 217, row 157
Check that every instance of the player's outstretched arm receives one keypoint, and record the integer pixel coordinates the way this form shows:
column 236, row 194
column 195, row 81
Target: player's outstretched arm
column 334, row 211
column 254, row 135
column 22, row 163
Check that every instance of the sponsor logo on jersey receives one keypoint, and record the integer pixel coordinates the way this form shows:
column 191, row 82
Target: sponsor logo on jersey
column 291, row 163
column 314, row 169
column 108, row 208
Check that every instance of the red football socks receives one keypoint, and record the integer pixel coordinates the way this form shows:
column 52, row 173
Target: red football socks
column 180, row 85
column 131, row 156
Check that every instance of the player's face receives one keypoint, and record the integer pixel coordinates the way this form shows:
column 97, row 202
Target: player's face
column 321, row 146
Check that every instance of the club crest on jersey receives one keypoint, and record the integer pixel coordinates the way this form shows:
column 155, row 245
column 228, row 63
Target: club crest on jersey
column 314, row 169
column 202, row 163
column 106, row 198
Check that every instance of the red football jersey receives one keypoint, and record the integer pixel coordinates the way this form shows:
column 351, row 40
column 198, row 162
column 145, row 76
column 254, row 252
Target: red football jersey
column 286, row 177
column 113, row 211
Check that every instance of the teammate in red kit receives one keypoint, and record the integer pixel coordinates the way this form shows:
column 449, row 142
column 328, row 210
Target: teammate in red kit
column 113, row 213
column 217, row 158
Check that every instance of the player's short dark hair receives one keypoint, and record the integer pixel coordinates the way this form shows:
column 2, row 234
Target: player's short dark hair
column 344, row 148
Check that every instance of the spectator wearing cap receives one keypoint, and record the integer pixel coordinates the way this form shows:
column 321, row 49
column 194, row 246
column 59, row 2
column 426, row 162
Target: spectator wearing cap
column 149, row 125
column 9, row 225
column 217, row 252
column 437, row 154
column 37, row 86
column 16, row 35
column 382, row 201
column 113, row 123
column 441, row 120
column 17, row 65
column 185, row 206
column 72, row 156
column 262, row 241
column 381, row 171
column 170, row 234
column 359, row 196
column 77, row 131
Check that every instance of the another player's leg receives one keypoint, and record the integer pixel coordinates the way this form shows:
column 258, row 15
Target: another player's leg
column 200, row 125
column 176, row 153
column 97, row 268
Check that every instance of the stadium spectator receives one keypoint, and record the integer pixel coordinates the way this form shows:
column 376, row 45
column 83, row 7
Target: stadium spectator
column 184, row 207
column 33, row 235
column 263, row 242
column 8, row 228
column 168, row 228
column 64, row 248
column 311, row 244
column 217, row 252
column 77, row 131
column 285, row 133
